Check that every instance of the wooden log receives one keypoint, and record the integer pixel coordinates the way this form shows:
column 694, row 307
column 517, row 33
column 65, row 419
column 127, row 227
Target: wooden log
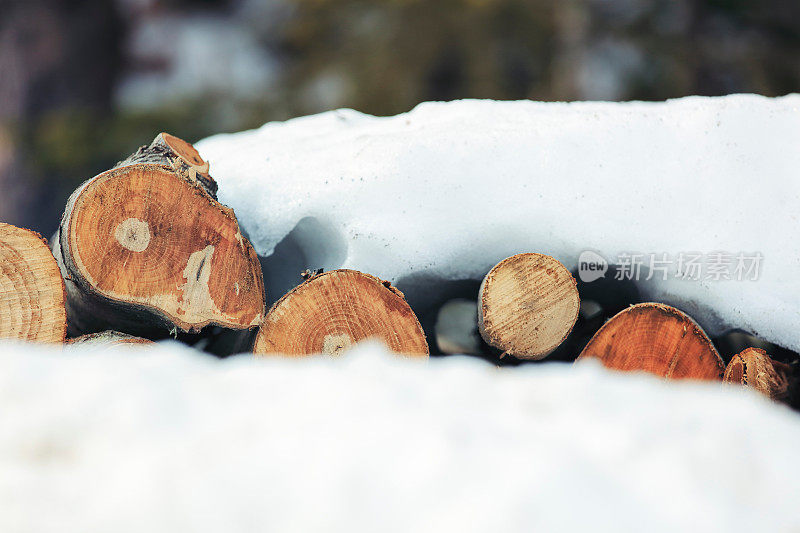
column 147, row 250
column 755, row 369
column 31, row 289
column 330, row 312
column 658, row 339
column 528, row 304
column 108, row 338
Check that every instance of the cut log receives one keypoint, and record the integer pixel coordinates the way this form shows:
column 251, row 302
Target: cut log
column 528, row 304
column 146, row 249
column 330, row 312
column 755, row 369
column 658, row 339
column 108, row 338
column 31, row 289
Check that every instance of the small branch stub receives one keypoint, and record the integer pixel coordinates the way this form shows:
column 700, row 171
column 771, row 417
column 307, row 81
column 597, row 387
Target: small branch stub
column 31, row 289
column 333, row 311
column 658, row 339
column 180, row 156
column 527, row 305
column 755, row 369
column 147, row 248
column 309, row 273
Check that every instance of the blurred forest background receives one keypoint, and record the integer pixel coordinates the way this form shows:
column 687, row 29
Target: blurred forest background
column 84, row 82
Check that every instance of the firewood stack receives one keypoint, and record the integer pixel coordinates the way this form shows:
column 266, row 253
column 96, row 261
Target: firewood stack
column 145, row 251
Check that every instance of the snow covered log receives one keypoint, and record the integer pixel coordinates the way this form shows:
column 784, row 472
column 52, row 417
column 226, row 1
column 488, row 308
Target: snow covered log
column 31, row 288
column 528, row 304
column 444, row 192
column 146, row 248
column 658, row 339
column 755, row 369
column 332, row 311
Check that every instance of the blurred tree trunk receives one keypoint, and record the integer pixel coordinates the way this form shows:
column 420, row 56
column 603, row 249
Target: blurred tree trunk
column 55, row 55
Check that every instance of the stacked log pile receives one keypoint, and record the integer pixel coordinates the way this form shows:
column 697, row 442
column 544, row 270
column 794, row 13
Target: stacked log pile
column 145, row 251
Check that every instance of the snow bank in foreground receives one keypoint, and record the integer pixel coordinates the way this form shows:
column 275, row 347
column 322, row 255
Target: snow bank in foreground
column 166, row 440
column 448, row 190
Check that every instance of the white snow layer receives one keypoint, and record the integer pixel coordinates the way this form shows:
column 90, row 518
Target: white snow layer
column 164, row 439
column 449, row 189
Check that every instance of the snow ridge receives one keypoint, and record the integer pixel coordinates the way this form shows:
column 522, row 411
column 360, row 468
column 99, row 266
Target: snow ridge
column 449, row 189
column 166, row 439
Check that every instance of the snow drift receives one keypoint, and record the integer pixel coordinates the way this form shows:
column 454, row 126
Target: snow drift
column 166, row 439
column 449, row 189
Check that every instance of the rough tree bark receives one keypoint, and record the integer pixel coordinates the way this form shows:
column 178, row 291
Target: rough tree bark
column 180, row 156
column 658, row 339
column 146, row 249
column 527, row 305
column 106, row 338
column 755, row 369
column 32, row 295
column 332, row 311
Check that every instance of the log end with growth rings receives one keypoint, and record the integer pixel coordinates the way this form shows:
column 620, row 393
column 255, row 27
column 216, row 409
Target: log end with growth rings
column 658, row 339
column 185, row 151
column 527, row 306
column 332, row 311
column 148, row 241
column 753, row 368
column 32, row 296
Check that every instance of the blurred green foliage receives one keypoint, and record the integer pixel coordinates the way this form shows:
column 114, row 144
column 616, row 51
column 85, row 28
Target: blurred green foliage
column 387, row 56
column 82, row 142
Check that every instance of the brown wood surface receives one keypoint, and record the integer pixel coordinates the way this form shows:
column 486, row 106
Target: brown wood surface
column 332, row 311
column 146, row 248
column 658, row 339
column 32, row 295
column 528, row 304
column 755, row 369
